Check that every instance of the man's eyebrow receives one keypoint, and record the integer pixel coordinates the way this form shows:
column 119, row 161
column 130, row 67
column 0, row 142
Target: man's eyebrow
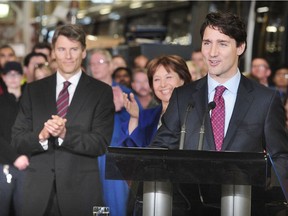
column 221, row 41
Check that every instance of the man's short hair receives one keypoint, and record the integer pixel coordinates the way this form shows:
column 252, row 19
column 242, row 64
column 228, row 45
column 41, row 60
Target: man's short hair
column 42, row 45
column 28, row 57
column 71, row 31
column 228, row 24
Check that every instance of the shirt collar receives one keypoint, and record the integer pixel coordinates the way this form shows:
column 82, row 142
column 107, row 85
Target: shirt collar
column 231, row 84
column 73, row 80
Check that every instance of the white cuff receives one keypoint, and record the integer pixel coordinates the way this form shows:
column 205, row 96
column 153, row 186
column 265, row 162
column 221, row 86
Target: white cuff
column 60, row 141
column 44, row 144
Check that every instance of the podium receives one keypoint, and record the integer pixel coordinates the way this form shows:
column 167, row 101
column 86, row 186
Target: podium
column 159, row 168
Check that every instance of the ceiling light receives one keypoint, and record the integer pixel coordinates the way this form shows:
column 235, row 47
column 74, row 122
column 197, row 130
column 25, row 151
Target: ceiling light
column 271, row 29
column 104, row 11
column 262, row 9
column 4, row 10
column 102, row 1
column 135, row 5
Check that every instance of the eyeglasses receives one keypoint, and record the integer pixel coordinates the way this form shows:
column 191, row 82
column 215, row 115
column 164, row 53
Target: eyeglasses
column 40, row 65
column 285, row 75
column 260, row 67
column 99, row 62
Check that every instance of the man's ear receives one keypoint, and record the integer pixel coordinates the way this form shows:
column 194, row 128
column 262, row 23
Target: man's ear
column 241, row 49
column 84, row 53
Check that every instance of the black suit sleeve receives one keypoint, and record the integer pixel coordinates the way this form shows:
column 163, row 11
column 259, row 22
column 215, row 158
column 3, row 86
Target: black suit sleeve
column 24, row 132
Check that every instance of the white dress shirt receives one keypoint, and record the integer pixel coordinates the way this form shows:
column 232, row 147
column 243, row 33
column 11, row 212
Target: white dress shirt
column 71, row 89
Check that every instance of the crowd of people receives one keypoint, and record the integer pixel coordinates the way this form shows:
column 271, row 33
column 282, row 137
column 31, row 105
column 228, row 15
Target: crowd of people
column 54, row 164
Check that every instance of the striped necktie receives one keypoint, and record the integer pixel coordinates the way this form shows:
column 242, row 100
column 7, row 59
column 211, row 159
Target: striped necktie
column 63, row 100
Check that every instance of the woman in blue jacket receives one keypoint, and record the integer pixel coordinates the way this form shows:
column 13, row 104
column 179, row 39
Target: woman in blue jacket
column 164, row 73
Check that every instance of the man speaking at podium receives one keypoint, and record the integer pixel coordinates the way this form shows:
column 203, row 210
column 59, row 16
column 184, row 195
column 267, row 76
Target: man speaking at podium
column 244, row 117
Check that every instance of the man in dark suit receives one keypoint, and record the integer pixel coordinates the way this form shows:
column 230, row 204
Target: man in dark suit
column 63, row 176
column 254, row 116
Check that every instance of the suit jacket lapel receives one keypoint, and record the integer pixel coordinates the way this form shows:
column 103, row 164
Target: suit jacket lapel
column 78, row 97
column 242, row 104
column 201, row 99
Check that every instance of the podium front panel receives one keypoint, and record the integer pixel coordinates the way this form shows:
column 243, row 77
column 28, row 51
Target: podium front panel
column 186, row 166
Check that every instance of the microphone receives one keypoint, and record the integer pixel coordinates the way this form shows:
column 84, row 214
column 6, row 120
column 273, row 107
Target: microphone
column 183, row 127
column 211, row 106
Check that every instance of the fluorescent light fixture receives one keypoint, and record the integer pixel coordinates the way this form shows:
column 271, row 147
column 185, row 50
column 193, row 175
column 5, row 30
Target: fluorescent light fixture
column 135, row 5
column 102, row 1
column 271, row 29
column 4, row 10
column 262, row 9
column 104, row 11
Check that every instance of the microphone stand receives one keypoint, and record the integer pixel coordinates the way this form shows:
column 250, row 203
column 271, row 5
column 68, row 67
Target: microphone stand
column 211, row 106
column 183, row 127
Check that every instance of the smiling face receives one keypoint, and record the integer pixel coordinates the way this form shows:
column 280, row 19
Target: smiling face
column 164, row 83
column 68, row 54
column 220, row 54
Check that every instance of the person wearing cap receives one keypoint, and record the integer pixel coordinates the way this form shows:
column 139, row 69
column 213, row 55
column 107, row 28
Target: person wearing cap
column 12, row 75
column 7, row 53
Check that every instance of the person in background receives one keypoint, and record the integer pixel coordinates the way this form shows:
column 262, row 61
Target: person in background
column 123, row 75
column 165, row 73
column 260, row 71
column 31, row 61
column 198, row 59
column 116, row 192
column 41, row 71
column 118, row 61
column 64, row 124
column 7, row 53
column 45, row 48
column 140, row 61
column 194, row 70
column 141, row 88
column 280, row 80
column 53, row 65
column 10, row 161
column 245, row 128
